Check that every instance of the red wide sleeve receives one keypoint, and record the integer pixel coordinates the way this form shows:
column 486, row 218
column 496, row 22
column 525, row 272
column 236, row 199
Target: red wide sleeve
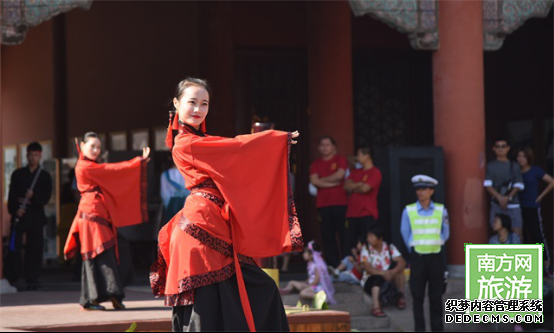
column 124, row 188
column 252, row 173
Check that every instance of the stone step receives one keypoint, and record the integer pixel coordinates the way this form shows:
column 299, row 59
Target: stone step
column 340, row 298
column 292, row 300
column 355, row 309
column 368, row 323
column 341, row 287
column 349, row 298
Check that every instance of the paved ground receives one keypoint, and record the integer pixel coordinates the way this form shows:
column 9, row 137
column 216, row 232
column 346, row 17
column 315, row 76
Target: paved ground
column 56, row 304
column 46, row 308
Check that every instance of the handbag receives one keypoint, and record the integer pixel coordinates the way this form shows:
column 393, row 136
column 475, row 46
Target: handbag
column 388, row 292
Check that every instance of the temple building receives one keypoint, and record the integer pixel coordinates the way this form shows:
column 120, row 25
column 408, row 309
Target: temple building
column 402, row 74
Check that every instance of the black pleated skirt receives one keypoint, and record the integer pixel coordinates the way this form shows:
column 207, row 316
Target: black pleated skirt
column 218, row 308
column 102, row 278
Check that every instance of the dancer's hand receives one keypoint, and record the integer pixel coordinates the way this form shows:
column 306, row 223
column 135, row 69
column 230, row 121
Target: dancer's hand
column 295, row 134
column 146, row 153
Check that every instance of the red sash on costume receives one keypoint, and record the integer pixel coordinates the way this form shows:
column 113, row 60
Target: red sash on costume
column 113, row 196
column 206, row 242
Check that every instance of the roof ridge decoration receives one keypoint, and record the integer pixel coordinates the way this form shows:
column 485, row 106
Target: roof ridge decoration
column 502, row 17
column 419, row 18
column 416, row 18
column 16, row 16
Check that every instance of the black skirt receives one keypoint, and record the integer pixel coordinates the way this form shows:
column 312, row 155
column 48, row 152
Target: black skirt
column 218, row 307
column 102, row 278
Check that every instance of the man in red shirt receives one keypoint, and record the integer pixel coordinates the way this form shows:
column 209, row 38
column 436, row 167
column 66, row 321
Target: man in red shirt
column 327, row 174
column 363, row 184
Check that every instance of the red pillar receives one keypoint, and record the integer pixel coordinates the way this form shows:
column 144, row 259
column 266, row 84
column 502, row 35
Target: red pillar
column 459, row 109
column 1, row 163
column 330, row 74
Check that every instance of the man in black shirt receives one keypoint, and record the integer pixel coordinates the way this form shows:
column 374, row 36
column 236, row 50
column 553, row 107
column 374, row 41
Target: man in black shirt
column 26, row 207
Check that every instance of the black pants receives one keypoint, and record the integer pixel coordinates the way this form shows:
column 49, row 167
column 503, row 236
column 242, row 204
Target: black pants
column 101, row 279
column 427, row 272
column 373, row 281
column 217, row 307
column 332, row 221
column 26, row 260
column 356, row 227
column 532, row 227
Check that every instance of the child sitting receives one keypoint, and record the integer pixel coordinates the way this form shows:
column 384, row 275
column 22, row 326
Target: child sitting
column 502, row 227
column 350, row 270
column 318, row 278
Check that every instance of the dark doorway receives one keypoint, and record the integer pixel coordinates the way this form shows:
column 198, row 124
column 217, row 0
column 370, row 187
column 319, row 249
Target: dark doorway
column 393, row 98
column 271, row 86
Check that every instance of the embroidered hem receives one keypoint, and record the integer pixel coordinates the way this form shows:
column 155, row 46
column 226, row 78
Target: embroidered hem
column 158, row 271
column 143, row 191
column 106, row 245
column 95, row 218
column 297, row 241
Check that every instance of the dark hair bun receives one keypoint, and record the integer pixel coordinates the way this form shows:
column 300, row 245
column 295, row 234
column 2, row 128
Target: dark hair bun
column 89, row 135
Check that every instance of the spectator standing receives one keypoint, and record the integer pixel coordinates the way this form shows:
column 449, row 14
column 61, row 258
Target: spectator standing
column 363, row 185
column 425, row 229
column 503, row 181
column 327, row 174
column 26, row 206
column 531, row 200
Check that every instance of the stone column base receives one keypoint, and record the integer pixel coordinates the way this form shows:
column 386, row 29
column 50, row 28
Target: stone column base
column 6, row 288
column 457, row 271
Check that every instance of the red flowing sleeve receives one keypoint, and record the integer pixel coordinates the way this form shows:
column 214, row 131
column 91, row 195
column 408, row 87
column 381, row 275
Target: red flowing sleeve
column 123, row 185
column 252, row 173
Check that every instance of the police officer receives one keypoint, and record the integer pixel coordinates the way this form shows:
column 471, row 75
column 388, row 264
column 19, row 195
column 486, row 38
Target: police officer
column 425, row 229
column 26, row 205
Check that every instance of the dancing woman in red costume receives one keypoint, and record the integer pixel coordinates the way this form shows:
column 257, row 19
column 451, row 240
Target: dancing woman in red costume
column 113, row 195
column 240, row 207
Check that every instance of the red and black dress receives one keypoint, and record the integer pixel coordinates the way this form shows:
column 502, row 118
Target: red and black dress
column 240, row 206
column 113, row 195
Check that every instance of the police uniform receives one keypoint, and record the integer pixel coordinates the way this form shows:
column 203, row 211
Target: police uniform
column 424, row 232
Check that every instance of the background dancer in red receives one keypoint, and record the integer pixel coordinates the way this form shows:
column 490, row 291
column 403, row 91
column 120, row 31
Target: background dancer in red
column 240, row 206
column 113, row 195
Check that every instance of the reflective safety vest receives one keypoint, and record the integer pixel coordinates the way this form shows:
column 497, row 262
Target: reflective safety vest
column 426, row 230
